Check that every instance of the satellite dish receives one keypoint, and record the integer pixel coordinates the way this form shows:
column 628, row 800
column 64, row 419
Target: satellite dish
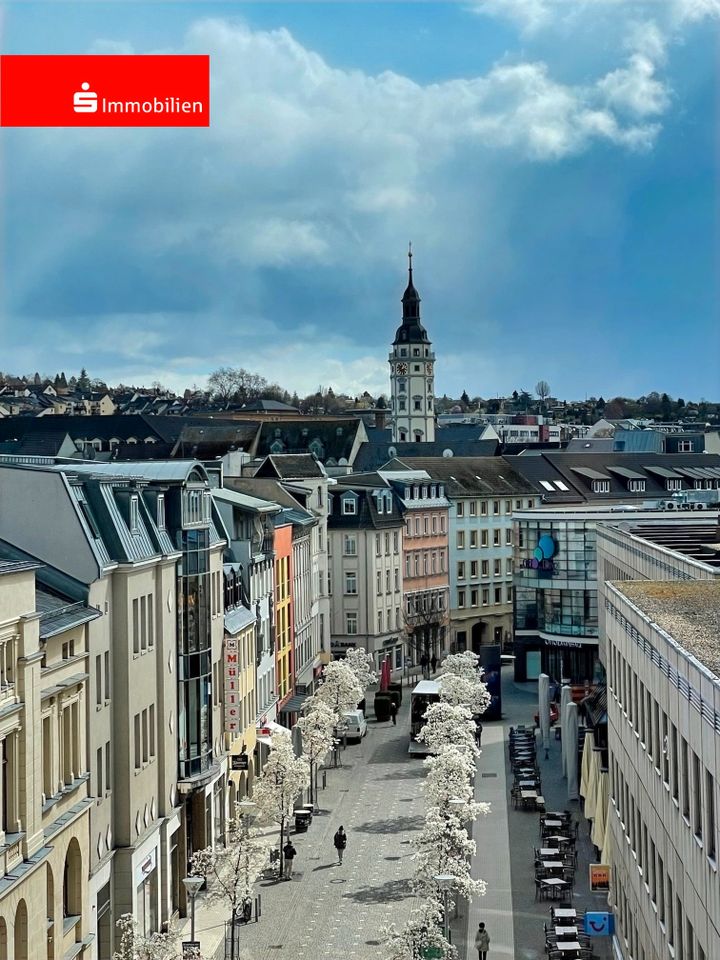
column 447, row 453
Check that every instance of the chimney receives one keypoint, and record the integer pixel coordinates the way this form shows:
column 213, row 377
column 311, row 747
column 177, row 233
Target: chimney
column 381, row 417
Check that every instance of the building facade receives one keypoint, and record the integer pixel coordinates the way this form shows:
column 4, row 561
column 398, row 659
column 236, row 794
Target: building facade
column 365, row 527
column 284, row 630
column 412, row 373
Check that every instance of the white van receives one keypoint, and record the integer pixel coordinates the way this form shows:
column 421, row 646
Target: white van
column 355, row 724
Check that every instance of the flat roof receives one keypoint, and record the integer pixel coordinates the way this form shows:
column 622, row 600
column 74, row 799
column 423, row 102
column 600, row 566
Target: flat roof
column 689, row 611
column 698, row 541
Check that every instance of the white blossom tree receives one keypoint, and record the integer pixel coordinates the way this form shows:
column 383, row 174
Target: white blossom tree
column 361, row 664
column 317, row 728
column 134, row 946
column 450, row 775
column 444, row 847
column 231, row 871
column 284, row 778
column 422, row 930
column 339, row 689
column 462, row 682
column 447, row 725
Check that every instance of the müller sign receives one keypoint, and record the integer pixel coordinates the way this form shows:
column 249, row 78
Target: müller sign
column 542, row 558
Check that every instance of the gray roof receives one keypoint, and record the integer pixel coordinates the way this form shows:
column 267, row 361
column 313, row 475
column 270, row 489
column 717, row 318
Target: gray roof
column 473, row 476
column 371, row 456
column 292, row 466
column 245, row 500
column 17, row 566
column 57, row 615
column 157, row 470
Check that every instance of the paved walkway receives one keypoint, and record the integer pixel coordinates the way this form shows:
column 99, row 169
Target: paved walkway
column 330, row 912
column 506, row 839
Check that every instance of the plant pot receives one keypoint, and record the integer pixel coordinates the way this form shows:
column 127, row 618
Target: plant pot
column 382, row 707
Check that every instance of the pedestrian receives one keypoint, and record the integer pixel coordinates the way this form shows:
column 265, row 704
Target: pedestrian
column 393, row 712
column 482, row 942
column 433, row 663
column 424, row 665
column 340, row 842
column 289, row 852
column 478, row 731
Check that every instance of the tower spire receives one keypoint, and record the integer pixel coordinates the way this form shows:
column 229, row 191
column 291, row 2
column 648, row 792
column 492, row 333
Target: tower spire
column 410, row 262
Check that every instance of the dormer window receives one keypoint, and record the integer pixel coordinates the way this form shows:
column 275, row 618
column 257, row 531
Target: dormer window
column 424, row 493
column 636, row 486
column 601, row 486
column 416, row 493
column 407, row 493
column 388, row 503
column 134, row 514
column 673, row 483
column 161, row 511
column 380, row 503
column 349, row 505
column 433, row 491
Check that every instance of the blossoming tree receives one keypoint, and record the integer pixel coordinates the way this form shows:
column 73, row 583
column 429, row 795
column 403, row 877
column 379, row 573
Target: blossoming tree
column 462, row 683
column 420, row 934
column 284, row 778
column 361, row 664
column 339, row 689
column 317, row 728
column 134, row 946
column 447, row 725
column 231, row 870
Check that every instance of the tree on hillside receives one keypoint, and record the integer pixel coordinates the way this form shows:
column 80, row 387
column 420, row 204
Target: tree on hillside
column 83, row 381
column 542, row 389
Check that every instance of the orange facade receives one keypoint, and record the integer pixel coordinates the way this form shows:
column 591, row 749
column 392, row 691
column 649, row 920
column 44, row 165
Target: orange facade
column 426, row 553
column 284, row 627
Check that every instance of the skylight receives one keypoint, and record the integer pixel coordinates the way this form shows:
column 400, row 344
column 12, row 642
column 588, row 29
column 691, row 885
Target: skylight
column 546, row 485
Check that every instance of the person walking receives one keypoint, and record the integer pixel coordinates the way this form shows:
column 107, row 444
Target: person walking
column 289, row 851
column 340, row 842
column 424, row 665
column 478, row 731
column 393, row 712
column 482, row 942
column 433, row 663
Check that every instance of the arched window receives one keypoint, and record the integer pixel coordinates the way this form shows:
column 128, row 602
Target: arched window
column 21, row 932
column 50, row 902
column 72, row 883
column 3, row 940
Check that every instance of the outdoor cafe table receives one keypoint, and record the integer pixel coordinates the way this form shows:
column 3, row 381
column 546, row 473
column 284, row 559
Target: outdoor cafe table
column 528, row 783
column 559, row 838
column 548, row 852
column 568, row 945
column 555, row 883
column 547, row 822
column 566, row 931
column 564, row 913
column 552, row 864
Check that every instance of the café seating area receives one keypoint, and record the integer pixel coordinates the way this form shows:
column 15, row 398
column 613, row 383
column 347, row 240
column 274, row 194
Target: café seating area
column 564, row 939
column 555, row 858
column 526, row 790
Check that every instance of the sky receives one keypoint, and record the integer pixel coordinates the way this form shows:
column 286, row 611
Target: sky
column 554, row 163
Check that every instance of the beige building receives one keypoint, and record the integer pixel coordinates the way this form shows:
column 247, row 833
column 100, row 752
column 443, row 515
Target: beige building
column 659, row 630
column 45, row 799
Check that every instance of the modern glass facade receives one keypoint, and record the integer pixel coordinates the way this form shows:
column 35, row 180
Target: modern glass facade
column 555, row 612
column 194, row 654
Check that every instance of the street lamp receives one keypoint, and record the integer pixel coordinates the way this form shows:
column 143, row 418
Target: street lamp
column 445, row 882
column 192, row 888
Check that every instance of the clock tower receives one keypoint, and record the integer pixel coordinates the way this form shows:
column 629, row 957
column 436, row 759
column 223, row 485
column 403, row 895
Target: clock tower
column 412, row 372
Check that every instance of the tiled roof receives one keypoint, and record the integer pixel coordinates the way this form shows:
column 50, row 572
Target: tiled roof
column 473, row 476
column 371, row 456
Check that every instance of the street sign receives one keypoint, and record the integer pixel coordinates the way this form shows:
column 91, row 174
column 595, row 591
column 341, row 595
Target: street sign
column 599, row 877
column 191, row 948
column 599, row 924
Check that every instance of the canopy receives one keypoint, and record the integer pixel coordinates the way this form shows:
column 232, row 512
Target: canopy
column 593, row 784
column 565, row 698
column 597, row 834
column 570, row 737
column 544, row 708
column 587, row 751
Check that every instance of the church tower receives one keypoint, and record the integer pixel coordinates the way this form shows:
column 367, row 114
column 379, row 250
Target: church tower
column 412, row 373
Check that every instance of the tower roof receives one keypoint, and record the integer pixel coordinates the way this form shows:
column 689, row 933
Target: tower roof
column 411, row 330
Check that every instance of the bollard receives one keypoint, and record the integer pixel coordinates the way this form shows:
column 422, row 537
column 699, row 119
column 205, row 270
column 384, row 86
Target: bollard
column 324, row 779
column 258, row 907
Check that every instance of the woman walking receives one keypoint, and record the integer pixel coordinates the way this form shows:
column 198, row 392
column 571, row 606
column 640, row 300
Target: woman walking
column 340, row 842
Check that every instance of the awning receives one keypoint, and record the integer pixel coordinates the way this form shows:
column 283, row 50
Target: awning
column 294, row 704
column 266, row 731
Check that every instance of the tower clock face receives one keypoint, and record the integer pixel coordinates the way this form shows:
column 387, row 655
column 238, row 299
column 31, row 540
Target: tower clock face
column 402, row 369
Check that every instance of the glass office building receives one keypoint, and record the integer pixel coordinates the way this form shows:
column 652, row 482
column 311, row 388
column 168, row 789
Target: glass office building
column 555, row 611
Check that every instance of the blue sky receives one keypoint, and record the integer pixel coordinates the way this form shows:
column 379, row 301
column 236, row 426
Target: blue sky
column 554, row 163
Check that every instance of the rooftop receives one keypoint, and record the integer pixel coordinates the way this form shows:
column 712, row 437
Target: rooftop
column 699, row 541
column 689, row 612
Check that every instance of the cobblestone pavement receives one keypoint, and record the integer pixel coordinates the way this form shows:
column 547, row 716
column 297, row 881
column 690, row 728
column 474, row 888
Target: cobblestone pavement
column 329, row 912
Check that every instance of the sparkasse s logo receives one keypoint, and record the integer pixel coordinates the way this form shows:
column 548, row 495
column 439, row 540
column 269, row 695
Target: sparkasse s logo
column 124, row 91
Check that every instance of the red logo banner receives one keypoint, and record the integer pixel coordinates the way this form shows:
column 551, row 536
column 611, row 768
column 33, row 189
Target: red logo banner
column 105, row 91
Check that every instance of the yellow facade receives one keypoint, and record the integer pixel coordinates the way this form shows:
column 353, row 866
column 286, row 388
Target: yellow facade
column 283, row 614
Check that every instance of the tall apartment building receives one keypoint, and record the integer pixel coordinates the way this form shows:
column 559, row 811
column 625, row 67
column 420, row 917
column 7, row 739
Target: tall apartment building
column 426, row 585
column 139, row 542
column 659, row 629
column 284, row 628
column 365, row 527
column 484, row 494
column 46, row 795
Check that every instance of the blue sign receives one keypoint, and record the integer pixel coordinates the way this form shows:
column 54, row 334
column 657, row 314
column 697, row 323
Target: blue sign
column 542, row 558
column 599, row 924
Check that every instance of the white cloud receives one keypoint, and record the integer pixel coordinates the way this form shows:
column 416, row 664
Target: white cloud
column 634, row 88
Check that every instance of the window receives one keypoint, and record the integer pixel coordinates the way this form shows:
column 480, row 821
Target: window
column 408, row 528
column 496, row 507
column 99, row 773
column 483, row 508
column 485, row 568
column 134, row 517
column 485, row 596
column 473, row 569
column 473, row 598
column 351, row 582
column 508, row 506
column 710, row 815
column 697, row 797
column 381, row 504
column 379, row 622
column 417, row 526
column 145, row 742
column 546, row 485
column 685, row 446
column 673, row 483
column 601, row 486
column 349, row 545
column 351, row 623
column 508, row 567
column 496, row 538
column 387, row 581
column 636, row 486
column 151, row 726
column 396, row 542
column 473, row 539
column 387, row 544
column 473, row 508
column 460, row 509
column 108, row 768
column 497, row 568
column 397, row 580
column 349, row 505
column 161, row 511
column 483, row 538
column 461, row 539
column 461, row 598
column 508, row 536
column 498, row 594
column 98, row 679
column 138, row 745
column 461, row 570
column 143, row 624
column 518, row 504
column 136, row 625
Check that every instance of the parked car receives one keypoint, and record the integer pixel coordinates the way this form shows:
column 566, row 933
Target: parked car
column 355, row 724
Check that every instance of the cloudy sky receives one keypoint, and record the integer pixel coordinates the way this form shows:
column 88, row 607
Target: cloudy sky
column 553, row 161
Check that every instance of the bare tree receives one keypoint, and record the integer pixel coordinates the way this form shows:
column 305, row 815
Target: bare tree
column 425, row 614
column 542, row 389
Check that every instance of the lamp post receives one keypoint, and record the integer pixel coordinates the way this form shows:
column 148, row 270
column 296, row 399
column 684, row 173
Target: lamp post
column 192, row 888
column 445, row 882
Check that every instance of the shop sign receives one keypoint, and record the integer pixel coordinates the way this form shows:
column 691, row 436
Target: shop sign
column 599, row 924
column 576, row 644
column 542, row 557
column 599, row 877
column 232, row 686
column 239, row 761
column 144, row 869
